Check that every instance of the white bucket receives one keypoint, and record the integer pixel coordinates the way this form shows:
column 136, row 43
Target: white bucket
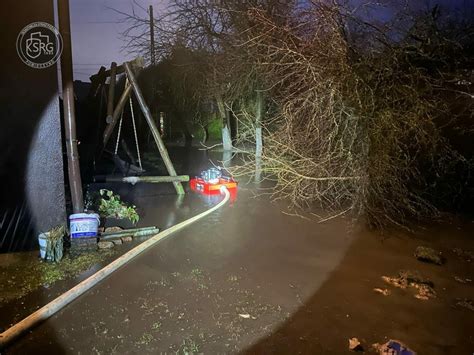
column 83, row 225
column 43, row 242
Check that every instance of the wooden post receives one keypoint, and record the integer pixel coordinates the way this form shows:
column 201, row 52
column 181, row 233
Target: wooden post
column 100, row 126
column 96, row 81
column 110, row 100
column 152, row 60
column 116, row 115
column 154, row 130
column 74, row 172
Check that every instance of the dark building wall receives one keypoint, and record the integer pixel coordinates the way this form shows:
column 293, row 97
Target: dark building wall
column 31, row 161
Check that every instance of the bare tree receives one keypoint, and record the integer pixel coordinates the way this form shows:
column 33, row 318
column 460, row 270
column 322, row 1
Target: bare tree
column 355, row 111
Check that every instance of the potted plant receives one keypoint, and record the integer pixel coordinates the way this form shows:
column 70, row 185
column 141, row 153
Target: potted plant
column 115, row 212
column 52, row 244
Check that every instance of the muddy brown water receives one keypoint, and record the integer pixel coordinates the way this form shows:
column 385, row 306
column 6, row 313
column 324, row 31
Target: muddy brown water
column 251, row 279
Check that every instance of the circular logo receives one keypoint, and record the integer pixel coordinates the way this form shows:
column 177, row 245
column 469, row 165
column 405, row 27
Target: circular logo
column 39, row 45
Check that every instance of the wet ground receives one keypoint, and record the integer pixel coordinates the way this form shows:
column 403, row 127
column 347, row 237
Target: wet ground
column 251, row 279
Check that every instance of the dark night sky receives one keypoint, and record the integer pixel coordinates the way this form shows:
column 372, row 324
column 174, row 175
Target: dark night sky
column 96, row 31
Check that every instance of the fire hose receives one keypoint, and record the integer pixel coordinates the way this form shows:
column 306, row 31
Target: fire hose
column 63, row 300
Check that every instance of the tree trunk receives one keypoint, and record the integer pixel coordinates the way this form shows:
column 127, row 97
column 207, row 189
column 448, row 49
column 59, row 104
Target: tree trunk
column 205, row 136
column 258, row 125
column 226, row 138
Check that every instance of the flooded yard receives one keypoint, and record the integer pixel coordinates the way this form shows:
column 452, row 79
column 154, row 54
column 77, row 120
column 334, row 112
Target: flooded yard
column 252, row 279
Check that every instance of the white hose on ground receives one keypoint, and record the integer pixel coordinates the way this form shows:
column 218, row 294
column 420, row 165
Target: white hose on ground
column 58, row 303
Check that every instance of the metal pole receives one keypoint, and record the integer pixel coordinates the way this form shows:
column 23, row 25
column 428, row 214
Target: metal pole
column 74, row 171
column 154, row 130
column 152, row 37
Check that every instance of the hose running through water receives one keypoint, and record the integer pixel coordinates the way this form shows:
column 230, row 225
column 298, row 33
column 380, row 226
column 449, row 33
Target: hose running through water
column 63, row 300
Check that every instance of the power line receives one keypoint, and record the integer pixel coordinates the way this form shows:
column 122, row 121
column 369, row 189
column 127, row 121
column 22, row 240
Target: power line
column 81, row 72
column 96, row 22
column 94, row 64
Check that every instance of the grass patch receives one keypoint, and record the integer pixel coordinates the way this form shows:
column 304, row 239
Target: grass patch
column 156, row 326
column 22, row 273
column 145, row 339
column 189, row 346
column 196, row 274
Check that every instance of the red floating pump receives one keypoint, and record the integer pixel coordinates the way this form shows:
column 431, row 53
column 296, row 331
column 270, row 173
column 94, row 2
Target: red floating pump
column 211, row 181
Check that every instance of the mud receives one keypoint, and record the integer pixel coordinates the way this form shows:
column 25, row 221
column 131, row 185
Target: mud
column 251, row 279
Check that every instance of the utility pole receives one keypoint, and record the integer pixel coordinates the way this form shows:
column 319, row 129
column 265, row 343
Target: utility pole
column 152, row 37
column 152, row 60
column 74, row 172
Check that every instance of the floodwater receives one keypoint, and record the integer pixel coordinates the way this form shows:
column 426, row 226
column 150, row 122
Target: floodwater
column 250, row 278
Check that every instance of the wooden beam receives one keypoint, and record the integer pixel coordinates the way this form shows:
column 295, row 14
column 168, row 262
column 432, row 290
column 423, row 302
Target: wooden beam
column 156, row 179
column 139, row 62
column 106, row 73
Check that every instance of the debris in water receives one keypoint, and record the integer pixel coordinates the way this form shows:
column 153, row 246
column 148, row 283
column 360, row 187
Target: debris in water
column 467, row 255
column 246, row 316
column 395, row 281
column 425, row 292
column 408, row 278
column 393, row 347
column 405, row 277
column 429, row 255
column 414, row 277
column 355, row 345
column 383, row 291
column 465, row 303
column 462, row 280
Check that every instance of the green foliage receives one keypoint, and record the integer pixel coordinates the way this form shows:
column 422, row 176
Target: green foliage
column 112, row 206
column 215, row 129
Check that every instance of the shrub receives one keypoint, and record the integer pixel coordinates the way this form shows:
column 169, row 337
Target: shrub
column 112, row 206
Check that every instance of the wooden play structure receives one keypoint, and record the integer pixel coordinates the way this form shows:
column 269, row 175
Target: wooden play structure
column 114, row 115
